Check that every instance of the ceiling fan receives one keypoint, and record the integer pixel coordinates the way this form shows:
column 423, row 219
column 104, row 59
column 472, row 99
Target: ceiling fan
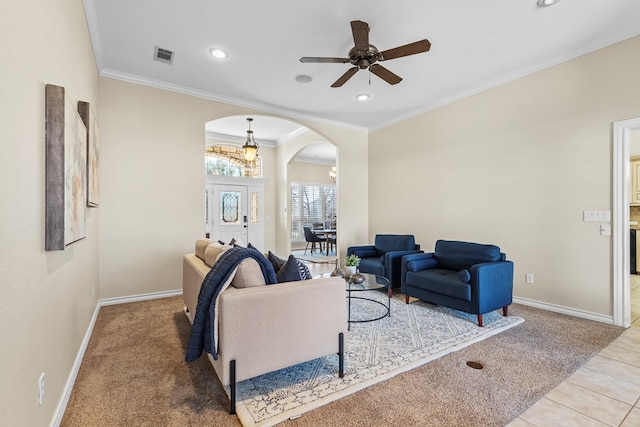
column 364, row 55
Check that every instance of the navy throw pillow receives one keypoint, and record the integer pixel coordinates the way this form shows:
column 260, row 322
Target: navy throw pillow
column 292, row 271
column 276, row 261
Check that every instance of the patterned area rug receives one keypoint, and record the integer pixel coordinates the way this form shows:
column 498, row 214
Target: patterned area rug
column 414, row 335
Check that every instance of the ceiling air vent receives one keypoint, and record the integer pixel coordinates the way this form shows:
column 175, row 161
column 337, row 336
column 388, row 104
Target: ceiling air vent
column 163, row 55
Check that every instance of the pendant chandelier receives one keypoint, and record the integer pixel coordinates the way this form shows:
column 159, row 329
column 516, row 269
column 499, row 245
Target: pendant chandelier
column 250, row 148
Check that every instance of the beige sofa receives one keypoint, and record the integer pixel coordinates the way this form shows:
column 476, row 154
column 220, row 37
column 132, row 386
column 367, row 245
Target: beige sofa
column 270, row 327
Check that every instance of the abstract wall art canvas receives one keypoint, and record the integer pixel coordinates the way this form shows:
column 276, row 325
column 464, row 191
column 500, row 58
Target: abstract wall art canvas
column 66, row 171
column 93, row 151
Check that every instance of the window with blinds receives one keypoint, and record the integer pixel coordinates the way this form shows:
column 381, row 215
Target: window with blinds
column 311, row 204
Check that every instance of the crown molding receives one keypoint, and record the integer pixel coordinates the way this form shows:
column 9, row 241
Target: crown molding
column 313, row 160
column 185, row 90
column 239, row 140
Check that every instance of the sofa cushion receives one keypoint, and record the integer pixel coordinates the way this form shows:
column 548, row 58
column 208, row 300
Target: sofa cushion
column 439, row 281
column 394, row 242
column 248, row 274
column 213, row 252
column 453, row 255
column 293, row 270
column 201, row 245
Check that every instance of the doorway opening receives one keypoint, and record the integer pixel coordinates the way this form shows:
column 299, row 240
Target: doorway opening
column 621, row 222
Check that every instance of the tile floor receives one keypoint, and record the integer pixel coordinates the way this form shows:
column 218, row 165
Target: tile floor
column 604, row 392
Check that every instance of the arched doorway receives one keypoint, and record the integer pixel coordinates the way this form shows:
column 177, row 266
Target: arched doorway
column 280, row 142
column 312, row 176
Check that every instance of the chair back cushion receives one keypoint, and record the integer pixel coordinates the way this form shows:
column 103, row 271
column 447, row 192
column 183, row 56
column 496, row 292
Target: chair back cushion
column 453, row 255
column 394, row 242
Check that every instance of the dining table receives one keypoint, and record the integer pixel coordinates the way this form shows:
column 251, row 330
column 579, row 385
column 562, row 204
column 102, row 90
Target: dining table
column 327, row 233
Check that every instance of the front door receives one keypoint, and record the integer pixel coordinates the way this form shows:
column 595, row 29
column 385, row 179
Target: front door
column 235, row 211
column 229, row 216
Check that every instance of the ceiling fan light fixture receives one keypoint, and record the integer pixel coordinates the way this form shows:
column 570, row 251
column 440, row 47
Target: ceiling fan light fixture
column 365, row 56
column 250, row 148
column 363, row 97
column 545, row 3
column 216, row 52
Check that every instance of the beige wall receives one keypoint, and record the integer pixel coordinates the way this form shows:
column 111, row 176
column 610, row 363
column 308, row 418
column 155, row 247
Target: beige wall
column 516, row 166
column 46, row 301
column 313, row 173
column 153, row 179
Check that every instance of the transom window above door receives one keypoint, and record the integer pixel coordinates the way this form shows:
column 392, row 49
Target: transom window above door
column 229, row 160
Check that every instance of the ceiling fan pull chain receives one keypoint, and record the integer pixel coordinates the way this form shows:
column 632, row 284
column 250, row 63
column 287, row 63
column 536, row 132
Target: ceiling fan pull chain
column 369, row 76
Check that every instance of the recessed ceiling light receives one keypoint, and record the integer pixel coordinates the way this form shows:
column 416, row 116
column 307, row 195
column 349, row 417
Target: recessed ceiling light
column 545, row 3
column 219, row 53
column 363, row 97
column 303, row 78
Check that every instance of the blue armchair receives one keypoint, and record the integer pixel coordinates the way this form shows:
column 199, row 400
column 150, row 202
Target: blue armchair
column 469, row 277
column 384, row 257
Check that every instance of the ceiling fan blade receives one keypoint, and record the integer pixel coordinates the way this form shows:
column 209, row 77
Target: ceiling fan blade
column 316, row 59
column 346, row 76
column 406, row 50
column 360, row 32
column 385, row 74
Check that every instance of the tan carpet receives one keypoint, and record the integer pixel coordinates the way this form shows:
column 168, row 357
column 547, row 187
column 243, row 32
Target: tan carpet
column 134, row 374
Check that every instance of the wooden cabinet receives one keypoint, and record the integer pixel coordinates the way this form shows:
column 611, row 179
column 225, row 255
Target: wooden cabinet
column 635, row 181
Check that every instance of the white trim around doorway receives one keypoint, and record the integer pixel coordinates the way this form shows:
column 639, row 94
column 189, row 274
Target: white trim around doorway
column 621, row 250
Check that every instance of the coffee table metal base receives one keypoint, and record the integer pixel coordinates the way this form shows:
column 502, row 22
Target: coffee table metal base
column 387, row 308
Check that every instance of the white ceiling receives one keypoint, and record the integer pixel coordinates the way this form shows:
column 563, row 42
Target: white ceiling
column 476, row 45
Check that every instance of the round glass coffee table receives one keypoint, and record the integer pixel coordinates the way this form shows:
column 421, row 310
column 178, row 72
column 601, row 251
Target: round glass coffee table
column 355, row 292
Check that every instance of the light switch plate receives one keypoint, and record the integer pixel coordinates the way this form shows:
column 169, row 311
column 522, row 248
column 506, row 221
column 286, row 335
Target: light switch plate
column 600, row 216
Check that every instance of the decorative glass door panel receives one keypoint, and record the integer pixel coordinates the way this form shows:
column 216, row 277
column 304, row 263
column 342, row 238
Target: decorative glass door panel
column 230, row 207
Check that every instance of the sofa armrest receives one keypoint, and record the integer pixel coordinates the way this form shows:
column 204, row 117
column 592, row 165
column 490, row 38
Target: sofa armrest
column 492, row 285
column 266, row 328
column 365, row 251
column 194, row 270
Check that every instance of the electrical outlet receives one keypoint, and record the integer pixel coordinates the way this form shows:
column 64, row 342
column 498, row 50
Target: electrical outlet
column 41, row 389
column 529, row 278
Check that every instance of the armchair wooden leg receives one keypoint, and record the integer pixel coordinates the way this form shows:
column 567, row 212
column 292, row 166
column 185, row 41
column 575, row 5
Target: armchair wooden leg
column 390, row 292
column 232, row 385
column 480, row 320
column 406, row 299
column 505, row 310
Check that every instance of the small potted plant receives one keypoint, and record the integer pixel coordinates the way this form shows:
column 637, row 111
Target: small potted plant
column 351, row 264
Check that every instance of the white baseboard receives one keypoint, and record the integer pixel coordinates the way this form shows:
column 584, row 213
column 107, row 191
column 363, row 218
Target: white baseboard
column 64, row 400
column 565, row 310
column 136, row 298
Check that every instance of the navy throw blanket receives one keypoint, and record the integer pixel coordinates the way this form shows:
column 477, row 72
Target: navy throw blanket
column 203, row 330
